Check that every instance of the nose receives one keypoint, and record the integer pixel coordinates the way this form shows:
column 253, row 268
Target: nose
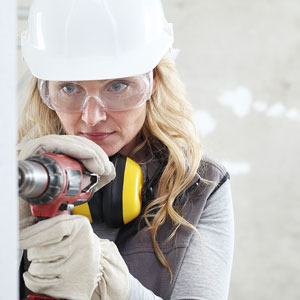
column 93, row 112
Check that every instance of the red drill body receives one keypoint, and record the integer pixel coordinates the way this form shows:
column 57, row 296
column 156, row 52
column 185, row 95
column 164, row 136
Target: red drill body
column 51, row 183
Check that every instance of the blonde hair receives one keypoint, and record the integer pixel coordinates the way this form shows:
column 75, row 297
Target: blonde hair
column 168, row 122
column 37, row 119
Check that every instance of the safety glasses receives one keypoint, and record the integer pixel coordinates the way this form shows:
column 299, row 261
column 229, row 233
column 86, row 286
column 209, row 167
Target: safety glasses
column 113, row 95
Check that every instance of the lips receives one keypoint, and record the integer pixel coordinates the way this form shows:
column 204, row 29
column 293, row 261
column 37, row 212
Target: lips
column 96, row 136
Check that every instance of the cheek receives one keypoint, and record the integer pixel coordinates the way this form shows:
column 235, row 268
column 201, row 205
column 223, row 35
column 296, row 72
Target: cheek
column 69, row 121
column 130, row 123
column 133, row 122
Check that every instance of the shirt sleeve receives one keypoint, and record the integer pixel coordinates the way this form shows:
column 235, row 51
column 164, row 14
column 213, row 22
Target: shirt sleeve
column 139, row 292
column 206, row 269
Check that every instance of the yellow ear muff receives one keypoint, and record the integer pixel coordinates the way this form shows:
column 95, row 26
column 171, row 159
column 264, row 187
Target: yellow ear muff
column 120, row 201
column 84, row 210
column 132, row 191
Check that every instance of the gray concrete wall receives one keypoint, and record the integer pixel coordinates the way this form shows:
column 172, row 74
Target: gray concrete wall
column 240, row 60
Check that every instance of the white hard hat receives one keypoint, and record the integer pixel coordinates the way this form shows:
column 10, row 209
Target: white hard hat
column 95, row 39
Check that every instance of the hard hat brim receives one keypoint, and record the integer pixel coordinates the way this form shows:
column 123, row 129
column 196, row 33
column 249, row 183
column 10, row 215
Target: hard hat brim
column 60, row 68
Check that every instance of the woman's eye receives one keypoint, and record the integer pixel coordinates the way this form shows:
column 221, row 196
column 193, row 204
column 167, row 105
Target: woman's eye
column 69, row 88
column 118, row 86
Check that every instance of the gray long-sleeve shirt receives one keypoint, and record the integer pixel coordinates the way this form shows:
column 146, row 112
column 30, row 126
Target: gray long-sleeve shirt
column 206, row 269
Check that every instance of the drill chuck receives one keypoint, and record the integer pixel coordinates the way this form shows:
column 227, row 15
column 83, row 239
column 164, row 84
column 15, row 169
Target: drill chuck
column 33, row 179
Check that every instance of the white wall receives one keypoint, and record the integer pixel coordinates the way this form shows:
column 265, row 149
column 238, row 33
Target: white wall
column 8, row 174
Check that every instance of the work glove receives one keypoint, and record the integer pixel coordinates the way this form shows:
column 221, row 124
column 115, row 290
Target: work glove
column 68, row 261
column 89, row 153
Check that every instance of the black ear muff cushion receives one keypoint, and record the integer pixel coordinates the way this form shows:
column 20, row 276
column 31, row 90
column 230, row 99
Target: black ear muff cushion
column 112, row 195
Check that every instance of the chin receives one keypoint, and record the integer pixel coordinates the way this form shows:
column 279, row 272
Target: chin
column 109, row 150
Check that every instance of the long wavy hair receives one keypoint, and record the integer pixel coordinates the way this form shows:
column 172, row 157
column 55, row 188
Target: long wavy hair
column 168, row 122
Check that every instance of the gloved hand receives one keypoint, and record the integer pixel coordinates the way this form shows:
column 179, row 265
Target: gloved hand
column 83, row 149
column 88, row 152
column 69, row 261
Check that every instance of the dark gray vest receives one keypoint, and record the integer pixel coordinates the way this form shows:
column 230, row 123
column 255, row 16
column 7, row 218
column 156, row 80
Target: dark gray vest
column 137, row 249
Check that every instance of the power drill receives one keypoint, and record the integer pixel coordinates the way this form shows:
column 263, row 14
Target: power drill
column 52, row 183
column 55, row 184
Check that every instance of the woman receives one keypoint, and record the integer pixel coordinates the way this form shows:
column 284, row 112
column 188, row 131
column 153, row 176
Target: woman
column 105, row 78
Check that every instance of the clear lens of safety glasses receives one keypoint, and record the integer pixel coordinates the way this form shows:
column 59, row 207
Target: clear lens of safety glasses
column 114, row 94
